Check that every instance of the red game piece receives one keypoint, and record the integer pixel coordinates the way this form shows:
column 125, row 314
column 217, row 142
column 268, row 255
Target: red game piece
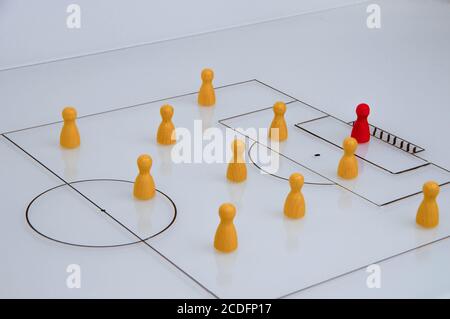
column 361, row 131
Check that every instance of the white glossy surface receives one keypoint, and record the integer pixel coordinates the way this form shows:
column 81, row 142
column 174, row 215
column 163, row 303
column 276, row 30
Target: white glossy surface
column 397, row 69
column 35, row 31
column 285, row 168
column 421, row 273
column 33, row 267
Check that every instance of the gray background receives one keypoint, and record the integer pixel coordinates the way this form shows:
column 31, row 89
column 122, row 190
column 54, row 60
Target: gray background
column 35, row 31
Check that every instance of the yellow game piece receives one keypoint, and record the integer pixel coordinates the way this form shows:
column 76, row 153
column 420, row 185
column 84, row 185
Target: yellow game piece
column 278, row 129
column 69, row 137
column 428, row 212
column 237, row 169
column 206, row 95
column 144, row 186
column 294, row 205
column 348, row 165
column 226, row 239
column 166, row 130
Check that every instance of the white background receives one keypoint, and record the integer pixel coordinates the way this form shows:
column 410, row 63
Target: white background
column 35, row 31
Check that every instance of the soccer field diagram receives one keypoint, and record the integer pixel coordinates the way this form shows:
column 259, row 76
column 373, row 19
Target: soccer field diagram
column 348, row 224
